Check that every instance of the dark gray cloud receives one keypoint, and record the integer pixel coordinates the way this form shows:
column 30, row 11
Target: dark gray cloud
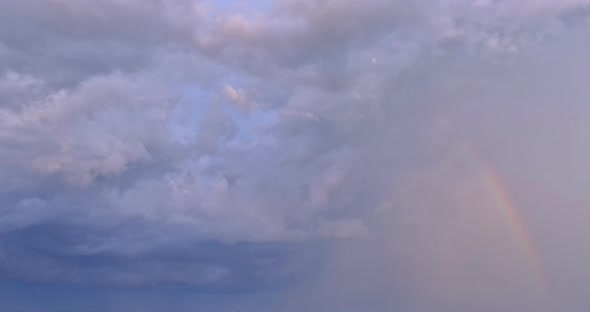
column 331, row 149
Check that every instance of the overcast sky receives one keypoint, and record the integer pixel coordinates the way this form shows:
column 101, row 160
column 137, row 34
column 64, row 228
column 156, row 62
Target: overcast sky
column 295, row 155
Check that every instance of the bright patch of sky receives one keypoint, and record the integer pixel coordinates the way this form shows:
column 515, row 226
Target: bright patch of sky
column 187, row 117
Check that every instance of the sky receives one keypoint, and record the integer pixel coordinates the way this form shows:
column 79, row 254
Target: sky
column 294, row 155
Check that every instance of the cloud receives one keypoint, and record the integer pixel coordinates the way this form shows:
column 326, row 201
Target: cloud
column 67, row 42
column 238, row 97
column 180, row 143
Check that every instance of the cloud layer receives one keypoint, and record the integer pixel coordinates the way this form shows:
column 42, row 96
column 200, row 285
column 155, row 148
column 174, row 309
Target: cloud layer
column 228, row 147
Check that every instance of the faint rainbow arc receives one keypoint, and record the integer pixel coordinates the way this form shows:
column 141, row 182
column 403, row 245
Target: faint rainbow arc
column 504, row 201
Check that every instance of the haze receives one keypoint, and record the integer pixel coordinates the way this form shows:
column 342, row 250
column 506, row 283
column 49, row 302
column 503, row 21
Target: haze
column 295, row 155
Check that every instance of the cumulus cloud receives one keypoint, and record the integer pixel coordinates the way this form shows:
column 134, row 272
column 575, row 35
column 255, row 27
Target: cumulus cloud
column 184, row 143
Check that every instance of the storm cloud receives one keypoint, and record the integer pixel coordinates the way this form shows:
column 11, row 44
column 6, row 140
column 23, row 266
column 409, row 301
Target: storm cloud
column 295, row 155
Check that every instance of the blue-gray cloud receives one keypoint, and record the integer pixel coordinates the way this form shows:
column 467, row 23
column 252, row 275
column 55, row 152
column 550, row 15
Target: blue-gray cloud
column 180, row 143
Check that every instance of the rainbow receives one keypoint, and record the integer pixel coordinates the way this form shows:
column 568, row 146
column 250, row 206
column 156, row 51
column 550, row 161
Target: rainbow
column 504, row 202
